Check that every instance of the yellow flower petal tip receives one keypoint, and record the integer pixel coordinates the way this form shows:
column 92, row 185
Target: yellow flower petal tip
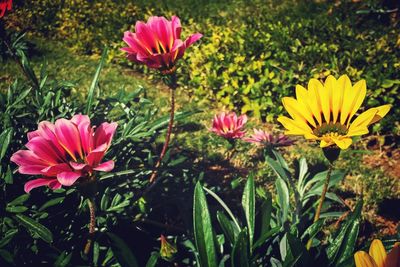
column 377, row 252
column 327, row 111
column 362, row 259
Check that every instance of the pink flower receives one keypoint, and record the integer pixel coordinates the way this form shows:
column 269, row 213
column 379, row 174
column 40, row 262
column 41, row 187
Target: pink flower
column 229, row 125
column 266, row 138
column 63, row 152
column 157, row 43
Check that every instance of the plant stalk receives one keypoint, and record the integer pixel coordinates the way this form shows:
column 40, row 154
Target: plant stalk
column 92, row 226
column 172, row 87
column 321, row 200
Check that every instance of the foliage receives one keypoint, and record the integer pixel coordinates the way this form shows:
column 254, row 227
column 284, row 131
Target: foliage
column 252, row 53
column 42, row 227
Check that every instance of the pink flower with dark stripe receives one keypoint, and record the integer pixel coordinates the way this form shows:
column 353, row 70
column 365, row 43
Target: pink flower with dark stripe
column 262, row 137
column 229, row 125
column 157, row 43
column 63, row 152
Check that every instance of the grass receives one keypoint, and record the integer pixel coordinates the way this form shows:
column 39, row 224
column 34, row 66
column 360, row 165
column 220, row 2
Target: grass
column 192, row 135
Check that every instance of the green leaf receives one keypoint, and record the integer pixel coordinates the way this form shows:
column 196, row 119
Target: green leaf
column 63, row 260
column 5, row 139
column 265, row 236
column 203, row 231
column 16, row 209
column 248, row 204
column 240, row 254
column 121, row 251
column 153, row 259
column 277, row 168
column 227, row 227
column 7, row 256
column 313, row 229
column 19, row 200
column 8, row 236
column 51, row 203
column 344, row 242
column 266, row 212
column 95, row 82
column 35, row 227
column 223, row 204
column 283, row 198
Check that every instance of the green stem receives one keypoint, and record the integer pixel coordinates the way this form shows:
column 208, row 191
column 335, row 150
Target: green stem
column 321, row 200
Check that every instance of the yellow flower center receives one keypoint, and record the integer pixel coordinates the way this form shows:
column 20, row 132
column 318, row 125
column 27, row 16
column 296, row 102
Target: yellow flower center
column 330, row 130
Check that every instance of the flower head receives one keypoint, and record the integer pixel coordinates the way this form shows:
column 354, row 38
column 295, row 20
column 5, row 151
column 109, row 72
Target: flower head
column 377, row 256
column 65, row 151
column 265, row 138
column 229, row 125
column 326, row 112
column 157, row 43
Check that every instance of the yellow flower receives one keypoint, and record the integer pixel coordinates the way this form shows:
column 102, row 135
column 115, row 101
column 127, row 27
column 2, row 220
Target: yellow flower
column 326, row 112
column 377, row 256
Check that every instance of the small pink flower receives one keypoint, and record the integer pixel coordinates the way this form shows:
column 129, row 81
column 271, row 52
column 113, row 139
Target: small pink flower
column 266, row 138
column 157, row 43
column 229, row 125
column 65, row 151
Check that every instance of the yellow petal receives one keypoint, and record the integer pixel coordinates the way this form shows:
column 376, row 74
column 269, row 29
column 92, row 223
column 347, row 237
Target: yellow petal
column 303, row 99
column 335, row 96
column 294, row 127
column 362, row 259
column 326, row 142
column 393, row 257
column 297, row 110
column 348, row 97
column 338, row 97
column 361, row 123
column 343, row 143
column 314, row 88
column 359, row 90
column 325, row 102
column 377, row 252
column 382, row 111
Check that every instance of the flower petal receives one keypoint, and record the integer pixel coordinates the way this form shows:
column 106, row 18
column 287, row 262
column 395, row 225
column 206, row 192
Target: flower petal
column 381, row 112
column 68, row 136
column 39, row 182
column 362, row 259
column 377, row 252
column 105, row 166
column 68, row 178
column 393, row 257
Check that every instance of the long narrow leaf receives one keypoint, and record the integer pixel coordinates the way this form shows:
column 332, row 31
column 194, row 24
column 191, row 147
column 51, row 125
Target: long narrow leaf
column 35, row 227
column 203, row 231
column 240, row 254
column 248, row 204
column 121, row 251
column 95, row 82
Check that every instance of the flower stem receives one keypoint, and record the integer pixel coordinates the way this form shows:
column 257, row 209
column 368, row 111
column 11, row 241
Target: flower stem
column 321, row 200
column 92, row 225
column 172, row 87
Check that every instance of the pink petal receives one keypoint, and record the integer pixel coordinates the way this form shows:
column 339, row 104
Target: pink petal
column 40, row 182
column 45, row 150
column 68, row 136
column 192, row 39
column 28, row 162
column 77, row 166
column 176, row 27
column 68, row 178
column 85, row 131
column 105, row 166
column 47, row 131
column 56, row 169
column 95, row 157
column 104, row 133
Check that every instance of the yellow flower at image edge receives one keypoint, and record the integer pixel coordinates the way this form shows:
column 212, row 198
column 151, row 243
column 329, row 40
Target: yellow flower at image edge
column 326, row 112
column 377, row 256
